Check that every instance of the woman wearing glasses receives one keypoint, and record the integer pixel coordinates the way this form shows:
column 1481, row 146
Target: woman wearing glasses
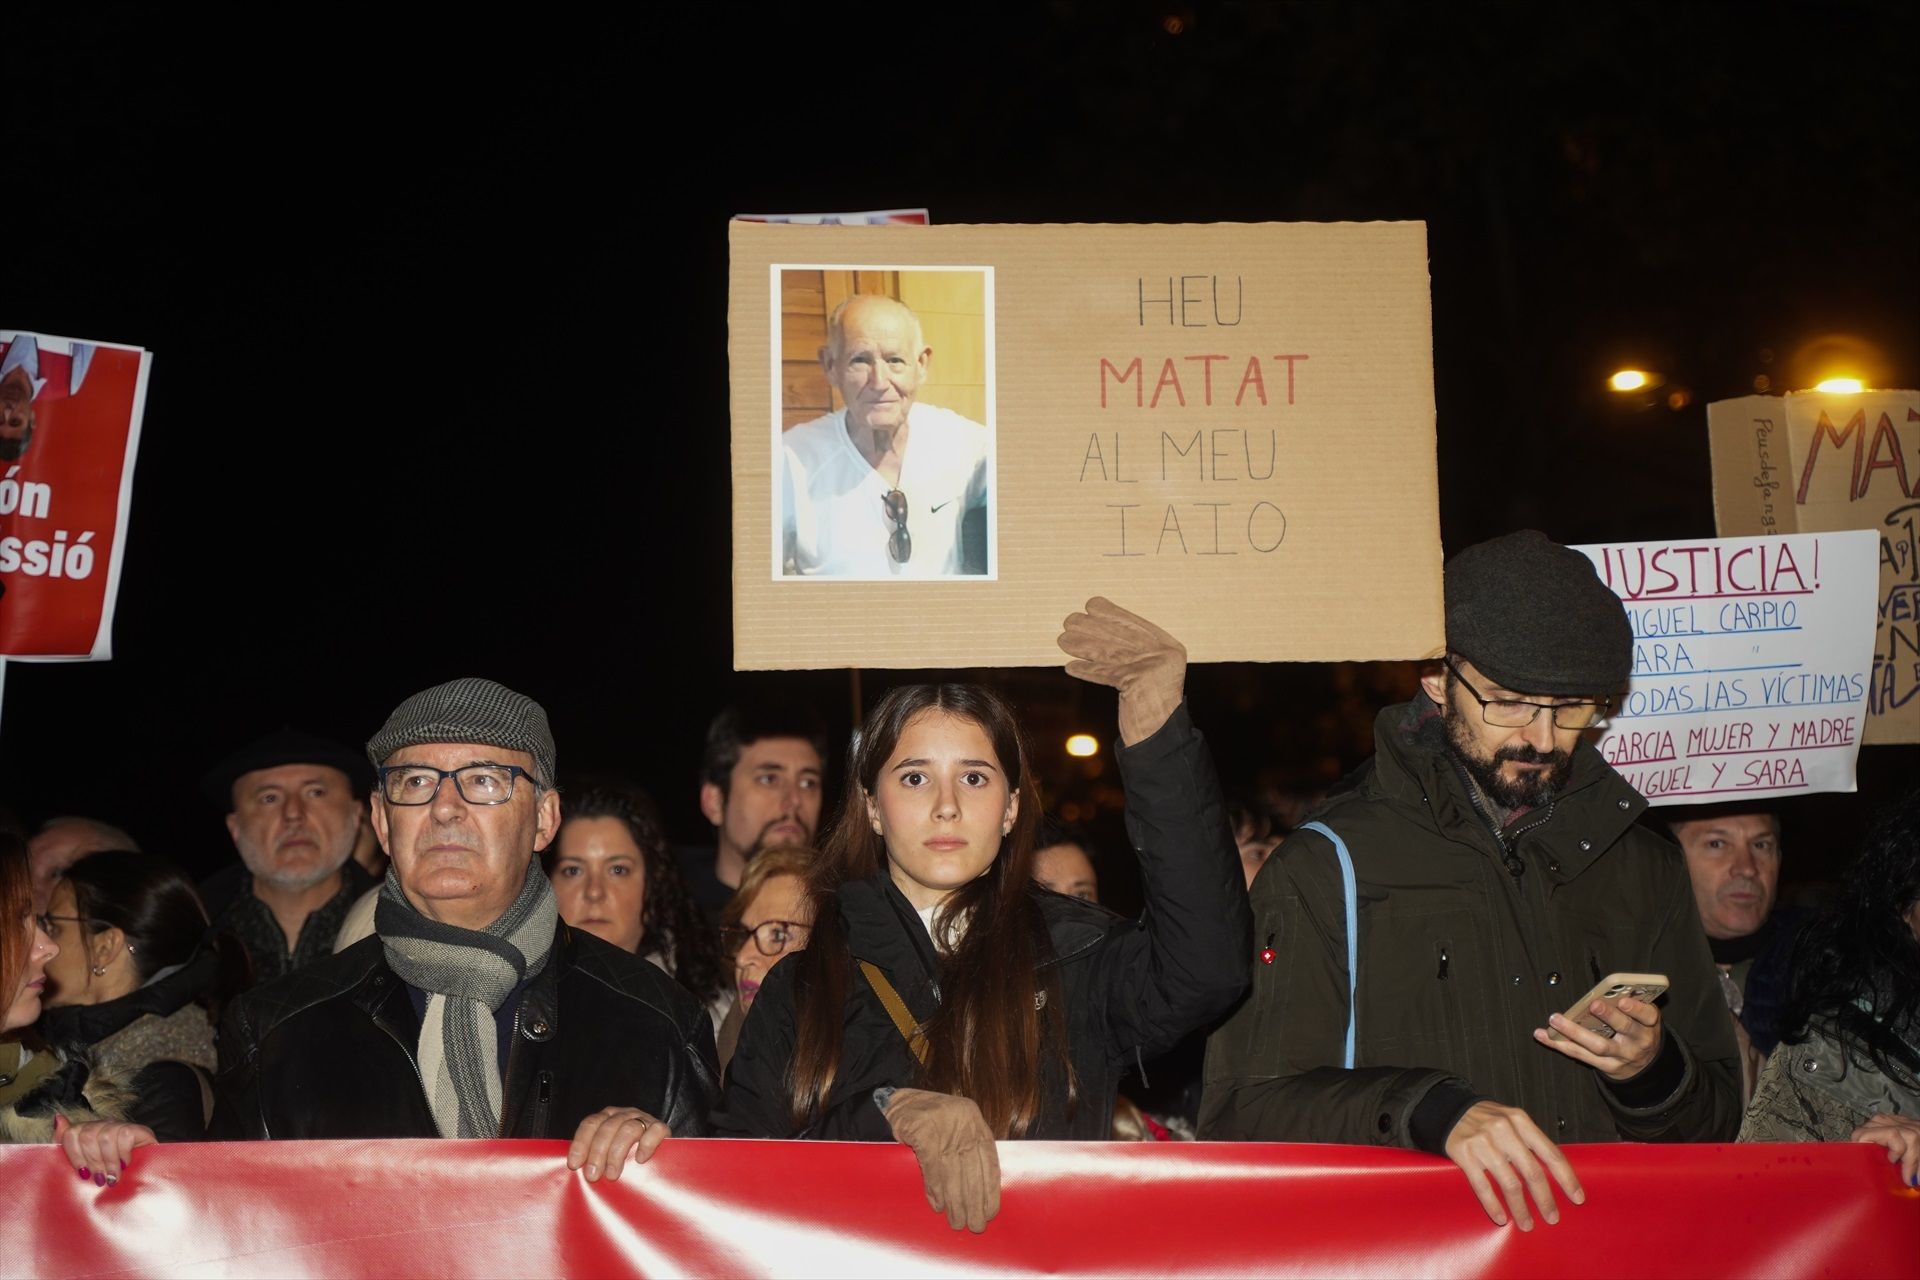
column 135, row 989
column 767, row 917
column 946, row 1002
column 116, row 971
column 614, row 876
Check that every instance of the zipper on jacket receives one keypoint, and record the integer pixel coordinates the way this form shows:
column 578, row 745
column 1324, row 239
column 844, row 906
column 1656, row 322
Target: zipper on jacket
column 506, row 1077
column 1515, row 867
column 1443, row 961
column 1543, row 818
column 542, row 1097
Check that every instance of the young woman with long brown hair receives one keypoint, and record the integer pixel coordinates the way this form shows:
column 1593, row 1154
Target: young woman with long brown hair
column 946, row 1001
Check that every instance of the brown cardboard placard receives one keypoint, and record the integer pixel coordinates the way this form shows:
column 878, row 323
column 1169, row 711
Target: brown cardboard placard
column 1227, row 428
column 1811, row 462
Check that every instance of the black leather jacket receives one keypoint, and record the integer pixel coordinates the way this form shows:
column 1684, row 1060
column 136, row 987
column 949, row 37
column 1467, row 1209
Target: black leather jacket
column 1131, row 987
column 328, row 1051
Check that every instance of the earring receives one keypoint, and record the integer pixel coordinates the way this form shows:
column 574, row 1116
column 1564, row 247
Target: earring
column 99, row 971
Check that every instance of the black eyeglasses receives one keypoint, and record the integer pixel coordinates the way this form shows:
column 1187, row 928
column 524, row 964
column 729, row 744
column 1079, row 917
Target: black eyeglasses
column 47, row 920
column 900, row 544
column 1517, row 713
column 772, row 937
column 476, row 783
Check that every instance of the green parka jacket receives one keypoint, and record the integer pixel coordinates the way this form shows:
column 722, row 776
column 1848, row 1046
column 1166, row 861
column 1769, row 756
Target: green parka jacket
column 1460, row 959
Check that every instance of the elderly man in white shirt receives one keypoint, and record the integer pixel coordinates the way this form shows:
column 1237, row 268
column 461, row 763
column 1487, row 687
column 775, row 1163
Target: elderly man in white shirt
column 882, row 488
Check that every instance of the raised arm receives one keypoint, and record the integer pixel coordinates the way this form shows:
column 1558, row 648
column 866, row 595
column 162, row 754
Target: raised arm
column 1189, row 962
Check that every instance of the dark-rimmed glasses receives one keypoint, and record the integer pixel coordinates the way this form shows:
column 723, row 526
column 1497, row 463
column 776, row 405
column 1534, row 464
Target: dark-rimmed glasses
column 771, row 937
column 477, row 783
column 46, row 921
column 900, row 544
column 1516, row 713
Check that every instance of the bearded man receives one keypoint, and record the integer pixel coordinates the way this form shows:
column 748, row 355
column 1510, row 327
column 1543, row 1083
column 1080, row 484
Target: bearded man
column 294, row 811
column 1420, row 937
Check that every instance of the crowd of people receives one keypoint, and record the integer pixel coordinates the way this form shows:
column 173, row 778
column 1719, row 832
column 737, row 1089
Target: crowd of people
column 433, row 938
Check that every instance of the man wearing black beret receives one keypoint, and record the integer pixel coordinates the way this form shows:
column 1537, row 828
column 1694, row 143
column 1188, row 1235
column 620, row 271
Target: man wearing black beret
column 294, row 809
column 1418, row 940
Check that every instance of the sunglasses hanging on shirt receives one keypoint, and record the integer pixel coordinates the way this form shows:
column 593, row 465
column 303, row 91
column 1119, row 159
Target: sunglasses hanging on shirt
column 900, row 544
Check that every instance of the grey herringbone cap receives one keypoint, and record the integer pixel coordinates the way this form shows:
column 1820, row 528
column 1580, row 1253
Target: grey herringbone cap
column 469, row 710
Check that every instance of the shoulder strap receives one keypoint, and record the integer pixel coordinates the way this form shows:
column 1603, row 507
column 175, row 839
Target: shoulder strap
column 897, row 1010
column 1352, row 893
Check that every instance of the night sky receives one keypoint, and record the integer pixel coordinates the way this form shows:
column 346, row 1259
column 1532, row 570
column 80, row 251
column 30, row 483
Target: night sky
column 439, row 315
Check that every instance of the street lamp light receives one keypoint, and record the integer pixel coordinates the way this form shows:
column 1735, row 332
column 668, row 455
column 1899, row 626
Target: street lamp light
column 1840, row 386
column 1082, row 745
column 1630, row 380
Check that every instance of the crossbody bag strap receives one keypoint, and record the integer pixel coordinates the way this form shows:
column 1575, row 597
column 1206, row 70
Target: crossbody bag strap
column 1351, row 891
column 896, row 1009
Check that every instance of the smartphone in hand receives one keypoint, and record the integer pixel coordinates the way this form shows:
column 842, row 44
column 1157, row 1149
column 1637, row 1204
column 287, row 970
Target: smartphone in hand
column 1641, row 986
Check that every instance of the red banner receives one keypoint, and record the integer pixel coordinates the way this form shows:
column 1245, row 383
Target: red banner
column 846, row 1209
column 69, row 429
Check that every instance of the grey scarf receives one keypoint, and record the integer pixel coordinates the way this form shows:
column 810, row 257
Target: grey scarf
column 467, row 975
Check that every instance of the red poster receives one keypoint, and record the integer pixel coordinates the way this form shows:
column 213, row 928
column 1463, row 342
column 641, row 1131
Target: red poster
column 69, row 428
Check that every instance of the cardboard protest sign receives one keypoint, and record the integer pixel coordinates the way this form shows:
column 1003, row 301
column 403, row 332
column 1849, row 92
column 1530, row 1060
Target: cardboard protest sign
column 69, row 429
column 1751, row 662
column 1226, row 428
column 1814, row 461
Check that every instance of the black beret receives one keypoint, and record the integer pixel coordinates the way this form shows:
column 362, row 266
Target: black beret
column 1535, row 618
column 284, row 746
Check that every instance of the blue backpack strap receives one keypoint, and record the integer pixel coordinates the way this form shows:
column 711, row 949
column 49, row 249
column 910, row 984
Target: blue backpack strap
column 1352, row 892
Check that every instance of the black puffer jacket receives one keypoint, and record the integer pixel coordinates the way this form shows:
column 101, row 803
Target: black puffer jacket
column 1130, row 988
column 329, row 1051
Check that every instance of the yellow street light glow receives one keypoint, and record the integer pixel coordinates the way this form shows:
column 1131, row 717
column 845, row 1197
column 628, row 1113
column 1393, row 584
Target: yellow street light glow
column 1840, row 386
column 1629, row 380
column 1083, row 745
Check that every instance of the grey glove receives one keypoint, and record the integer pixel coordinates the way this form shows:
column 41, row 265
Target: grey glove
column 958, row 1160
column 1111, row 646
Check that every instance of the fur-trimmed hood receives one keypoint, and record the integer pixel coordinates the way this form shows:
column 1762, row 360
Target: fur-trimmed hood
column 76, row 1091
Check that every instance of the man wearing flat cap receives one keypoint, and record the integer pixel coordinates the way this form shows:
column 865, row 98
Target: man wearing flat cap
column 294, row 811
column 1419, row 939
column 473, row 1011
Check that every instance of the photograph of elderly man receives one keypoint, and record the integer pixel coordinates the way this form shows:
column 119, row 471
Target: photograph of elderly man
column 875, row 482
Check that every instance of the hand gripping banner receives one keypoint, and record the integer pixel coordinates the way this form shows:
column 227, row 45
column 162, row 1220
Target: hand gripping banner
column 738, row 1208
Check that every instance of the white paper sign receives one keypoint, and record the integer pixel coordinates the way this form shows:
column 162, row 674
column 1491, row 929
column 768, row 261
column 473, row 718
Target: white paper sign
column 1751, row 662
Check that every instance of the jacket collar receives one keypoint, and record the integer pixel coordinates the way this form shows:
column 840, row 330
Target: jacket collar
column 1590, row 814
column 540, row 1002
column 885, row 930
column 79, row 1025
